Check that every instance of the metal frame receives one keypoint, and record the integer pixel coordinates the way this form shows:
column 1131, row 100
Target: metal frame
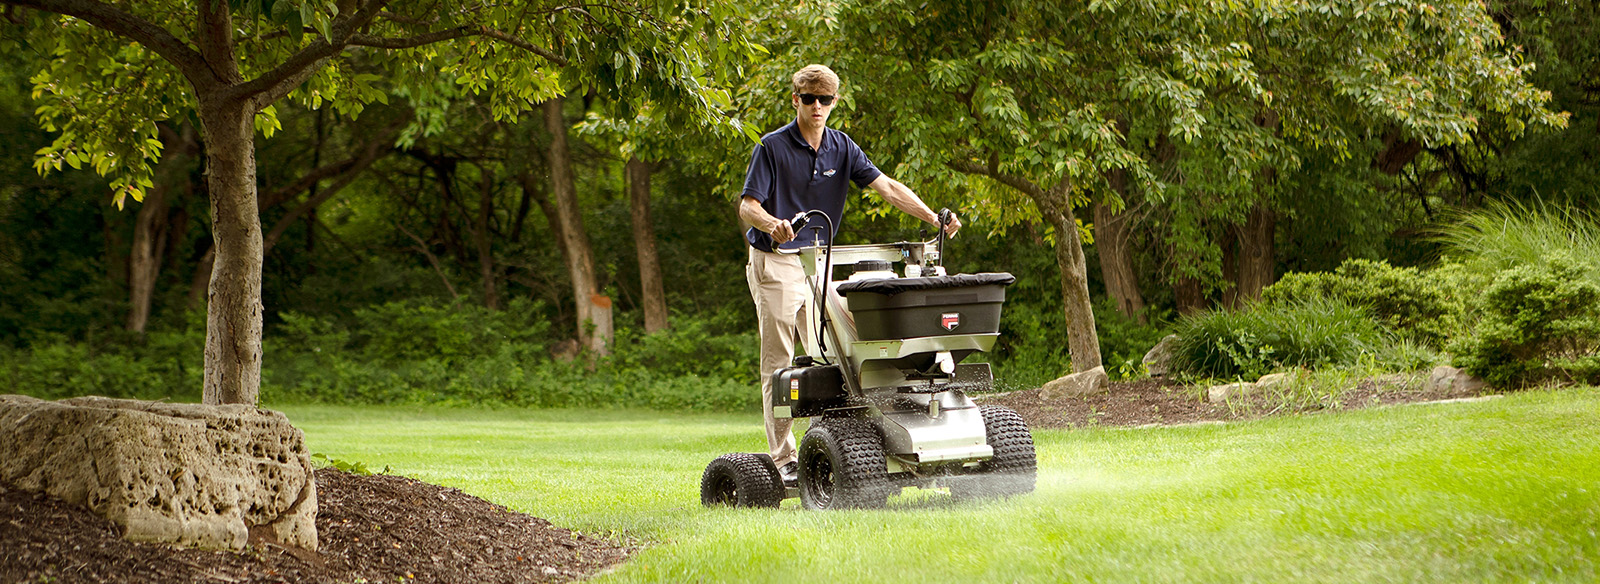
column 929, row 425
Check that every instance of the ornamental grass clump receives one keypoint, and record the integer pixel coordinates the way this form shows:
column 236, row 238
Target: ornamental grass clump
column 1507, row 235
column 1250, row 342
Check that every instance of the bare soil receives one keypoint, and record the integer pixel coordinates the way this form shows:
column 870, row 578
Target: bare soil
column 1154, row 401
column 370, row 528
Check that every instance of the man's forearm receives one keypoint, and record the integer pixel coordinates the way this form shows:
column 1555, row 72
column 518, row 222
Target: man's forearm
column 903, row 199
column 752, row 214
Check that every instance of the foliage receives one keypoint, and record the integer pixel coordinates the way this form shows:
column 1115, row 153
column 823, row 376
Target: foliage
column 357, row 468
column 166, row 366
column 1534, row 316
column 1407, row 300
column 1504, row 235
column 103, row 92
column 422, row 352
column 1259, row 338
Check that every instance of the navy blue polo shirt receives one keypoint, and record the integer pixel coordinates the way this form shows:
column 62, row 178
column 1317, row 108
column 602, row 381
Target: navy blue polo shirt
column 786, row 176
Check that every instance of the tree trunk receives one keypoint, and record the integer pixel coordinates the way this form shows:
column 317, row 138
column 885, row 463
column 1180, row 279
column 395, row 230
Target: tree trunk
column 233, row 303
column 202, row 277
column 1111, row 234
column 1256, row 253
column 1082, row 341
column 644, row 241
column 580, row 260
column 150, row 228
column 1189, row 296
column 1230, row 266
column 480, row 237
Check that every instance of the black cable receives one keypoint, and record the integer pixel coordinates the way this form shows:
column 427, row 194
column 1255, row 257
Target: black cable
column 820, row 291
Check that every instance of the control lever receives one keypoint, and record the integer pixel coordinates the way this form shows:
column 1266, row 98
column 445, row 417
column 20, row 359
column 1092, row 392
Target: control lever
column 945, row 216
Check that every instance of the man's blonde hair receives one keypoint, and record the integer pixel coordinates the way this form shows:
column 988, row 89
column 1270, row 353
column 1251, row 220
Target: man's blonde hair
column 817, row 79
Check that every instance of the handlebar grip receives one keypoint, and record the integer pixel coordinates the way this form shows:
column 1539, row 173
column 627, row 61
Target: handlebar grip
column 944, row 217
column 798, row 221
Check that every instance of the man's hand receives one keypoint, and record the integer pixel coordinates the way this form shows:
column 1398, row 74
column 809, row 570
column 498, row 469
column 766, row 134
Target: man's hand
column 781, row 232
column 954, row 226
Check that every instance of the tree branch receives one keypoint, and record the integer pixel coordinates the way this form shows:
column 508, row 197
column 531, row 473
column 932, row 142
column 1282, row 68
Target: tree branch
column 118, row 21
column 373, row 150
column 422, row 246
column 455, row 33
column 283, row 79
column 271, row 86
column 1010, row 180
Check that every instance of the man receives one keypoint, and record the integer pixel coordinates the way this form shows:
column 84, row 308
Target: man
column 802, row 166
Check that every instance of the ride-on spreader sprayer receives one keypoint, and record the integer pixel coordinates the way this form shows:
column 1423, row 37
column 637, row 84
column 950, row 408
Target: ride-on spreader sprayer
column 881, row 378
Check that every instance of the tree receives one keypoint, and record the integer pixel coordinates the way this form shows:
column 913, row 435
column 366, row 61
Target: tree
column 121, row 68
column 995, row 102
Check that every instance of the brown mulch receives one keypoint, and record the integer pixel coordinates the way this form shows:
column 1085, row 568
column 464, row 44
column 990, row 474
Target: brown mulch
column 1155, row 401
column 370, row 528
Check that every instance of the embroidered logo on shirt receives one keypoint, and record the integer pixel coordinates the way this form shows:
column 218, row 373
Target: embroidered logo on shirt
column 829, row 172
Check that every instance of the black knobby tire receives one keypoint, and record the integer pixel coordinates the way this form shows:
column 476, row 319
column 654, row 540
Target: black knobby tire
column 741, row 480
column 1014, row 468
column 842, row 466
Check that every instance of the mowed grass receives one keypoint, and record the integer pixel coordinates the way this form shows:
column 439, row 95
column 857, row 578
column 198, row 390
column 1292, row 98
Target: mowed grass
column 1500, row 490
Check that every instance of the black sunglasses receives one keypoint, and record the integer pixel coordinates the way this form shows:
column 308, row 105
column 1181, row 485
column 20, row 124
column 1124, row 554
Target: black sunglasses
column 810, row 98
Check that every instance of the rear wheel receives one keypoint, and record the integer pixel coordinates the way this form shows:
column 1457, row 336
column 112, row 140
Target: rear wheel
column 741, row 480
column 1014, row 468
column 842, row 466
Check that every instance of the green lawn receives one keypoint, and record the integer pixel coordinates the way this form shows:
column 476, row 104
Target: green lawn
column 1502, row 490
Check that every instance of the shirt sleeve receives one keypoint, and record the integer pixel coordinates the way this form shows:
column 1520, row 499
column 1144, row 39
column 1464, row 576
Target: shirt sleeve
column 758, row 178
column 862, row 170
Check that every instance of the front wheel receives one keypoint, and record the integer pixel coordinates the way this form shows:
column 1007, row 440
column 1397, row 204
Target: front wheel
column 842, row 466
column 1014, row 468
column 741, row 480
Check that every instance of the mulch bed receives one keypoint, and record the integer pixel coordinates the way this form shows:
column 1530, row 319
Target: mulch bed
column 1154, row 401
column 370, row 528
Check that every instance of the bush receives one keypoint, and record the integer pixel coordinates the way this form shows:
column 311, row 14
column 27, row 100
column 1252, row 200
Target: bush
column 1534, row 317
column 167, row 366
column 499, row 359
column 1251, row 342
column 1421, row 306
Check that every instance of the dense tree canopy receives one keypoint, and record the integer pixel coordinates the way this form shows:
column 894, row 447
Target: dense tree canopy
column 1127, row 159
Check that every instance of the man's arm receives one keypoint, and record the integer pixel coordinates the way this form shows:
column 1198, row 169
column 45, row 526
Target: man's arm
column 751, row 212
column 902, row 198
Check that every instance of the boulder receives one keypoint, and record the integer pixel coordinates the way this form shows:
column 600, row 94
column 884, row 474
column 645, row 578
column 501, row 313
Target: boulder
column 1076, row 384
column 1445, row 378
column 1273, row 380
column 1159, row 359
column 190, row 474
column 1222, row 393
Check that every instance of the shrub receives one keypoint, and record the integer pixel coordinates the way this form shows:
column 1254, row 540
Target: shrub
column 64, row 369
column 1507, row 235
column 498, row 359
column 1533, row 317
column 1262, row 337
column 1408, row 301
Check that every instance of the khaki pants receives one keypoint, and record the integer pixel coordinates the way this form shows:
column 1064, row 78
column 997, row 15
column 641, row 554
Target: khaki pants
column 778, row 287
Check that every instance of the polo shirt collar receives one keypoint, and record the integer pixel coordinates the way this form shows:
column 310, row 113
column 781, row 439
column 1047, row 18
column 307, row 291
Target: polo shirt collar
column 793, row 129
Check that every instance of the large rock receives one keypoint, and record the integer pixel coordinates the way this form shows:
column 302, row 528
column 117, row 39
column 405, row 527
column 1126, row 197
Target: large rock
column 188, row 474
column 1158, row 361
column 1445, row 378
column 1274, row 380
column 1222, row 393
column 1076, row 384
